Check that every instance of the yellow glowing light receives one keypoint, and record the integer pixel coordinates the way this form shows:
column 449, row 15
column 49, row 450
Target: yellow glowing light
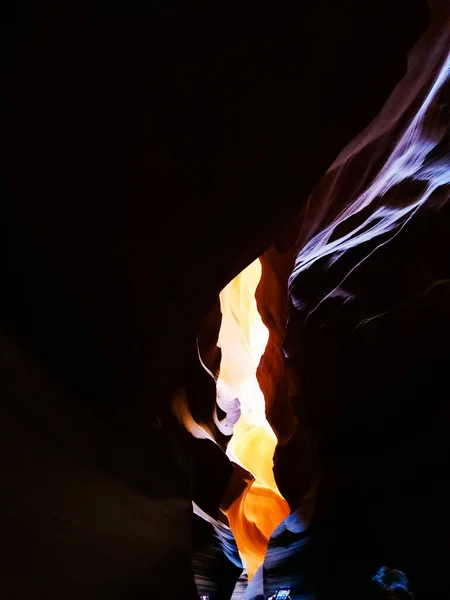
column 243, row 338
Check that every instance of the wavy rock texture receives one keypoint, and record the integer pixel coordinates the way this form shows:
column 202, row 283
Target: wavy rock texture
column 216, row 562
column 291, row 558
column 367, row 336
column 383, row 246
column 155, row 150
column 366, row 349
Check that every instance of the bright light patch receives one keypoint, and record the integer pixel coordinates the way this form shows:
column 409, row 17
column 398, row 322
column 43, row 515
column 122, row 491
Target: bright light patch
column 243, row 338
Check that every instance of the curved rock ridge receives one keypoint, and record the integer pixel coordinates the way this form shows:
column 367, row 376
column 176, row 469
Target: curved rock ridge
column 217, row 565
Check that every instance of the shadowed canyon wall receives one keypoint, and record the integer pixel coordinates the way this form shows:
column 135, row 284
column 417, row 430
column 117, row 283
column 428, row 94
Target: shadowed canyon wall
column 366, row 341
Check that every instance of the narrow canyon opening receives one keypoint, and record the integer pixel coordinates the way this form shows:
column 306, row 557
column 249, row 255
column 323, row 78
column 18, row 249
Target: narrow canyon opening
column 243, row 338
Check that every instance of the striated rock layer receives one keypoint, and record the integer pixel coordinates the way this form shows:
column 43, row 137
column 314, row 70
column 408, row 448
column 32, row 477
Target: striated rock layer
column 366, row 348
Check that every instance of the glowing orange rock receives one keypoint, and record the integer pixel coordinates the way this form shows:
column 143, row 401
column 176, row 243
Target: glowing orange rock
column 243, row 338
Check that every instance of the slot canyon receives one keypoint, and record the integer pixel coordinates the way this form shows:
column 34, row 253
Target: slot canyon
column 225, row 299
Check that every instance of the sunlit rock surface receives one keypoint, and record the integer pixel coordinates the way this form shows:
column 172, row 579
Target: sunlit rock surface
column 276, row 381
column 291, row 559
column 243, row 339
